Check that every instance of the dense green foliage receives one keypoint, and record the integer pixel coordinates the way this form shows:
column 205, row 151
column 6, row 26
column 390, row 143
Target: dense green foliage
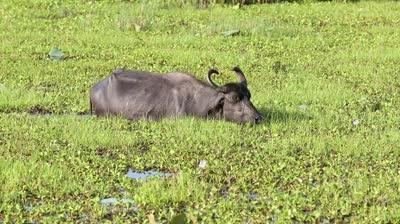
column 325, row 76
column 207, row 3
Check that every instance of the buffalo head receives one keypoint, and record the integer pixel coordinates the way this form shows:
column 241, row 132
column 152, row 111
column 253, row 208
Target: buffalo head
column 235, row 101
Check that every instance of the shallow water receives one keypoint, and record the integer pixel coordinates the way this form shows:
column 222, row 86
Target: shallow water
column 113, row 201
column 253, row 196
column 139, row 175
column 108, row 201
column 203, row 164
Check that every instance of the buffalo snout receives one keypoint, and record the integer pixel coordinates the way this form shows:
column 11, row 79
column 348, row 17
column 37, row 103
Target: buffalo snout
column 258, row 119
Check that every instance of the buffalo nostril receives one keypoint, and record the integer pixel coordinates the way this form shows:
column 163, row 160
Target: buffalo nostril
column 258, row 119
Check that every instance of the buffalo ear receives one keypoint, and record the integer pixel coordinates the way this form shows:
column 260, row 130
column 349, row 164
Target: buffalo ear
column 221, row 99
column 217, row 107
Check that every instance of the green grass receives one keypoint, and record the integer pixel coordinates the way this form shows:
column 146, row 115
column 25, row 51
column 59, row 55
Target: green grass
column 312, row 69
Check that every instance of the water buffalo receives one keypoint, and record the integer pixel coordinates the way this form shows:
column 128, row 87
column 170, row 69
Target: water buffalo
column 137, row 94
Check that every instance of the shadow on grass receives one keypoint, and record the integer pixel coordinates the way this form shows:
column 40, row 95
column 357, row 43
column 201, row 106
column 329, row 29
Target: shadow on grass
column 270, row 115
column 42, row 110
column 32, row 110
column 281, row 116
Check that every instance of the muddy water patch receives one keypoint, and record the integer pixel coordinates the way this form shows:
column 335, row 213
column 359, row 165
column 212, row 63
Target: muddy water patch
column 143, row 146
column 39, row 110
column 106, row 152
column 33, row 111
column 21, row 99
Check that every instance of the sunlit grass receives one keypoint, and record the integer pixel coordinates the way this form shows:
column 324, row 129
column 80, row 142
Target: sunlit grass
column 313, row 69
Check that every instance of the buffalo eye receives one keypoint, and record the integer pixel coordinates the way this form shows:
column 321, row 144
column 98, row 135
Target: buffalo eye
column 234, row 98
